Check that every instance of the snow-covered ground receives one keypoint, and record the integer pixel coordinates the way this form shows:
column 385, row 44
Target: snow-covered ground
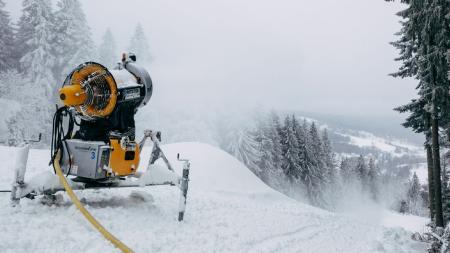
column 228, row 210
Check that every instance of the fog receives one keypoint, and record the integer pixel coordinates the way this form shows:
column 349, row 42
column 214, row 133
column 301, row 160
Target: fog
column 316, row 56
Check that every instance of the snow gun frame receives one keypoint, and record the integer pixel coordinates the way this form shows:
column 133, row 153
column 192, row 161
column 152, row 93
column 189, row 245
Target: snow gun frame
column 21, row 189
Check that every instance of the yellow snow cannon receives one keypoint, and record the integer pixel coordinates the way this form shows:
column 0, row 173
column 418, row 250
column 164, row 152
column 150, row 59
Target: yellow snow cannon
column 94, row 137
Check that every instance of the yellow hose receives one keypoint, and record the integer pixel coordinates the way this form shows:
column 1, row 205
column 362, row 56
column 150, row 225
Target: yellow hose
column 85, row 212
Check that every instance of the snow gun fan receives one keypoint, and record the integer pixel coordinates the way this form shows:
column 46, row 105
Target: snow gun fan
column 94, row 137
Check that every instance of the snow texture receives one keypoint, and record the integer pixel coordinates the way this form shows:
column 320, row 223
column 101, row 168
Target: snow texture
column 228, row 210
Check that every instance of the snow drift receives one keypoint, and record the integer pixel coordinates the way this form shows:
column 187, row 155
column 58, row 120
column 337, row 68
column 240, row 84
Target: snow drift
column 229, row 210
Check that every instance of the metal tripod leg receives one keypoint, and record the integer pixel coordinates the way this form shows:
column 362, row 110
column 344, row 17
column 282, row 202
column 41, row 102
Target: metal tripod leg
column 184, row 179
column 184, row 188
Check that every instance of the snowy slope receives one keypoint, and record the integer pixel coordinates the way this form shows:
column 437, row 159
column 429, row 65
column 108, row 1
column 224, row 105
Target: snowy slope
column 393, row 146
column 229, row 210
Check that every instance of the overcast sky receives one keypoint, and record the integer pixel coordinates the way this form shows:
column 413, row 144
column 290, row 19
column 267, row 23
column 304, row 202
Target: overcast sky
column 329, row 56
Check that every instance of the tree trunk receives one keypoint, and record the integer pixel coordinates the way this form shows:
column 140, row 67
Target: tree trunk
column 437, row 171
column 430, row 179
column 429, row 153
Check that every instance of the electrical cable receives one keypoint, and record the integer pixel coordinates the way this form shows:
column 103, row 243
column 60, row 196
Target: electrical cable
column 59, row 137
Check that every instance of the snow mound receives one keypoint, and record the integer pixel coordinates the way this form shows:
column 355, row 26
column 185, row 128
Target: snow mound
column 211, row 168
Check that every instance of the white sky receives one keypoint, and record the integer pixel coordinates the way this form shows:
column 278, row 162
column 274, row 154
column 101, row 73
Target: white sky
column 324, row 56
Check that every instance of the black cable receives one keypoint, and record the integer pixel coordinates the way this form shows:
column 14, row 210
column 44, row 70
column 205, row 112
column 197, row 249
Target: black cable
column 58, row 136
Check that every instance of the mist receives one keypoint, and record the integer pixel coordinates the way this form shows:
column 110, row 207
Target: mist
column 328, row 57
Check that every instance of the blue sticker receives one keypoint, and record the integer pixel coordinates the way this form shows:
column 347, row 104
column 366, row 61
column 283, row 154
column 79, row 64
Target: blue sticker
column 92, row 155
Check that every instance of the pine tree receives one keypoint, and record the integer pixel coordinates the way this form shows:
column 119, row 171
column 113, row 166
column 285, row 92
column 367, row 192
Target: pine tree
column 35, row 38
column 274, row 136
column 433, row 78
column 273, row 144
column 289, row 150
column 413, row 195
column 423, row 46
column 74, row 44
column 446, row 194
column 36, row 32
column 303, row 154
column 328, row 158
column 107, row 50
column 346, row 171
column 139, row 45
column 7, row 59
column 318, row 169
column 361, row 171
column 264, row 144
column 373, row 179
column 244, row 147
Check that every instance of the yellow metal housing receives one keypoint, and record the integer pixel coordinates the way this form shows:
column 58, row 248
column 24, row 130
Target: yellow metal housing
column 121, row 162
column 72, row 95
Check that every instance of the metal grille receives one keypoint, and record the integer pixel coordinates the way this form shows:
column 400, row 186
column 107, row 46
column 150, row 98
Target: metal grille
column 97, row 90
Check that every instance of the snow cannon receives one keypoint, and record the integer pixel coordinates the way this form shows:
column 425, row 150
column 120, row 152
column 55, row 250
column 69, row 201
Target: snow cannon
column 96, row 92
column 106, row 102
column 94, row 138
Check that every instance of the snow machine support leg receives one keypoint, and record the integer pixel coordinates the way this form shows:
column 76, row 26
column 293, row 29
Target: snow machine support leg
column 19, row 173
column 156, row 151
column 183, row 187
column 183, row 180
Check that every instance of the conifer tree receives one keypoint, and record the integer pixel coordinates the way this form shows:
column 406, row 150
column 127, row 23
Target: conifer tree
column 275, row 173
column 423, row 46
column 107, row 50
column 373, row 179
column 446, row 194
column 290, row 150
column 74, row 44
column 433, row 69
column 317, row 172
column 264, row 147
column 346, row 170
column 304, row 156
column 139, row 45
column 331, row 175
column 245, row 148
column 274, row 136
column 35, row 34
column 7, row 57
column 414, row 202
column 361, row 171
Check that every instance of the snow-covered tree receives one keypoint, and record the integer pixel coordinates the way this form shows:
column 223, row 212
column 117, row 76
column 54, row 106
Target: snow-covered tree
column 35, row 40
column 327, row 151
column 423, row 46
column 107, row 50
column 36, row 34
column 318, row 169
column 373, row 179
column 289, row 145
column 413, row 195
column 243, row 146
column 446, row 189
column 276, row 172
column 7, row 59
column 74, row 44
column 346, row 171
column 361, row 170
column 274, row 135
column 139, row 45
